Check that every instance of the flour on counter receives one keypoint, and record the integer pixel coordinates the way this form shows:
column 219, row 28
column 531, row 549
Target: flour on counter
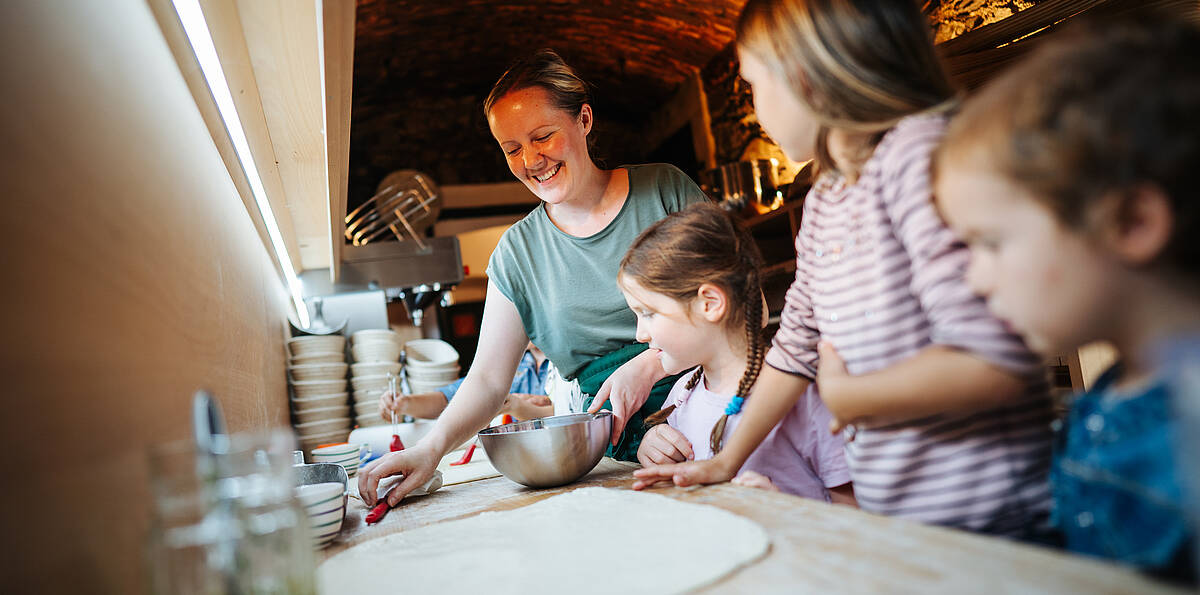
column 655, row 544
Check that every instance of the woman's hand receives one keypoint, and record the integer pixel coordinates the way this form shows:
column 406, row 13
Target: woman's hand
column 663, row 445
column 713, row 470
column 416, row 464
column 753, row 479
column 628, row 388
column 525, row 406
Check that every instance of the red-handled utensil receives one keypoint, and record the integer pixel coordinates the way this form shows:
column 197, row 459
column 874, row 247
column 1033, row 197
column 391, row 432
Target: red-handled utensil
column 466, row 458
column 378, row 511
column 397, row 444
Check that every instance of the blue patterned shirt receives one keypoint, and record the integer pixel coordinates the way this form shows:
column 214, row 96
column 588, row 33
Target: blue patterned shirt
column 529, row 379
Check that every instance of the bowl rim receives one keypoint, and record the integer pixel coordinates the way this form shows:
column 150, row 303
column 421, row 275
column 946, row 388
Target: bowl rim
column 582, row 418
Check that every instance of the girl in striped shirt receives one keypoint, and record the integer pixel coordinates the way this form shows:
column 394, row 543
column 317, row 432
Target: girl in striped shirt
column 948, row 412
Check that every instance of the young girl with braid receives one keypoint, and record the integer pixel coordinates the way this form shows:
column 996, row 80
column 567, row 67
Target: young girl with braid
column 692, row 279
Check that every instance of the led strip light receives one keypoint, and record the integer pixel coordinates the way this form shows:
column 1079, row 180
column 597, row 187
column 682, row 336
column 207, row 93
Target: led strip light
column 198, row 35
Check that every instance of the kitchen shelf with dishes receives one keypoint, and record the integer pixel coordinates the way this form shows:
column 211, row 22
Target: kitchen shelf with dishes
column 317, row 376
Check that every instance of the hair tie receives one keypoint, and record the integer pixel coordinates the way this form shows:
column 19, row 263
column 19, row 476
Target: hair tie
column 735, row 405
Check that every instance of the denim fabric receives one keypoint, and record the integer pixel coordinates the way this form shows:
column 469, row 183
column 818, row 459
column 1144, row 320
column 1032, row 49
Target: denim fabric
column 1117, row 491
column 530, row 378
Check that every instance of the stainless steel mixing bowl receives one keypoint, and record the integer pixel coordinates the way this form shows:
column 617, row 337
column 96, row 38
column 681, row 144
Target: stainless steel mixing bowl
column 549, row 451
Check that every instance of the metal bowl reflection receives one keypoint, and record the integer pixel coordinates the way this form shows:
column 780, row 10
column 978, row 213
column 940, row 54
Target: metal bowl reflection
column 549, row 451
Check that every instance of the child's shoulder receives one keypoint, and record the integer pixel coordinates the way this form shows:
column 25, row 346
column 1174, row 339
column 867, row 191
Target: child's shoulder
column 914, row 137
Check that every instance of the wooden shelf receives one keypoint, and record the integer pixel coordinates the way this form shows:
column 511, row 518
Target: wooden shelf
column 755, row 220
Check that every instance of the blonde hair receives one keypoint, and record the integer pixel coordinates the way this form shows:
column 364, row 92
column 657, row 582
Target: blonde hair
column 1099, row 109
column 702, row 244
column 859, row 65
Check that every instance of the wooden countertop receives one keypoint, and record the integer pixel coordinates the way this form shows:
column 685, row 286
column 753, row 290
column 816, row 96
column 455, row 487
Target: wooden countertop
column 814, row 545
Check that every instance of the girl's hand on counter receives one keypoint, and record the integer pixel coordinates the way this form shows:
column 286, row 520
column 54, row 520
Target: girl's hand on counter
column 753, row 479
column 416, row 464
column 684, row 474
column 628, row 388
column 663, row 445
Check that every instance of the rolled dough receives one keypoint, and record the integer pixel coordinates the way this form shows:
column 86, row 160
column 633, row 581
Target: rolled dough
column 479, row 467
column 641, row 543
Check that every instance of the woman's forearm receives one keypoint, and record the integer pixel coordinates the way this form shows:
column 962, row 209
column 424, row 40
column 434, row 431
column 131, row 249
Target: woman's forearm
column 473, row 406
column 937, row 380
column 502, row 341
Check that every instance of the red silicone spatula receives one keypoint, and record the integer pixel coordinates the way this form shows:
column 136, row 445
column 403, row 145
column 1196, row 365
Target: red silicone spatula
column 396, row 444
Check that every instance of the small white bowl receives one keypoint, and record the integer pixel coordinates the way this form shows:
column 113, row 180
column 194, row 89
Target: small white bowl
column 429, row 352
column 325, row 371
column 374, row 334
column 310, row 344
column 319, row 357
column 315, row 494
column 322, row 413
column 315, row 388
column 376, row 352
column 425, row 387
column 366, row 408
column 325, row 506
column 308, row 443
column 445, row 377
column 370, row 419
column 373, row 382
column 324, row 426
column 374, row 368
column 367, row 396
column 320, row 401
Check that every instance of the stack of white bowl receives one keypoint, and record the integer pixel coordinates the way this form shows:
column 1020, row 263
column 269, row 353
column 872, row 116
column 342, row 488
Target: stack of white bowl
column 325, row 506
column 317, row 371
column 432, row 363
column 376, row 354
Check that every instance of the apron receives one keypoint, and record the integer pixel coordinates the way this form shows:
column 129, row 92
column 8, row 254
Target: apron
column 575, row 396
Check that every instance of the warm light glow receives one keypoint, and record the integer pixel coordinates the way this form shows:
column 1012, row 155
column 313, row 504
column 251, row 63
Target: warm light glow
column 194, row 25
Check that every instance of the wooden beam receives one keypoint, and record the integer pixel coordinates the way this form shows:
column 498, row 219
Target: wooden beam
column 470, row 196
column 688, row 106
column 702, row 137
column 338, row 46
column 284, row 44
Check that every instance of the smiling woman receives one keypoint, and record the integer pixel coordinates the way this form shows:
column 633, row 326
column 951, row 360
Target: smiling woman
column 552, row 278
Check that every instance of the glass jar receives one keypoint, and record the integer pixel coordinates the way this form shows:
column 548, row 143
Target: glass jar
column 228, row 522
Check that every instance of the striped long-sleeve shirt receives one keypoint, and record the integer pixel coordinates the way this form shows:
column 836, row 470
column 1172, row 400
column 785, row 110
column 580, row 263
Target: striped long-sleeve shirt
column 881, row 277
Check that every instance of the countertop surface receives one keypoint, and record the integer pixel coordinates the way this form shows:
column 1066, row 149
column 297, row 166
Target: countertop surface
column 814, row 545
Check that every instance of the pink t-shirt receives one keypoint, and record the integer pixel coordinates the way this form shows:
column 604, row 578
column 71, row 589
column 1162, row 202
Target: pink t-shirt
column 800, row 455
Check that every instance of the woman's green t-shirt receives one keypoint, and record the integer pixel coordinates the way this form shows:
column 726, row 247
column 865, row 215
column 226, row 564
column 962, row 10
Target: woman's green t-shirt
column 565, row 287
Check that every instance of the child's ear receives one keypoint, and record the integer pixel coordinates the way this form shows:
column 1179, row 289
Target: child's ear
column 711, row 302
column 1141, row 225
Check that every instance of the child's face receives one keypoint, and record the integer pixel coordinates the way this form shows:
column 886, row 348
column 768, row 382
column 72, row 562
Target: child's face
column 783, row 115
column 1047, row 281
column 680, row 339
